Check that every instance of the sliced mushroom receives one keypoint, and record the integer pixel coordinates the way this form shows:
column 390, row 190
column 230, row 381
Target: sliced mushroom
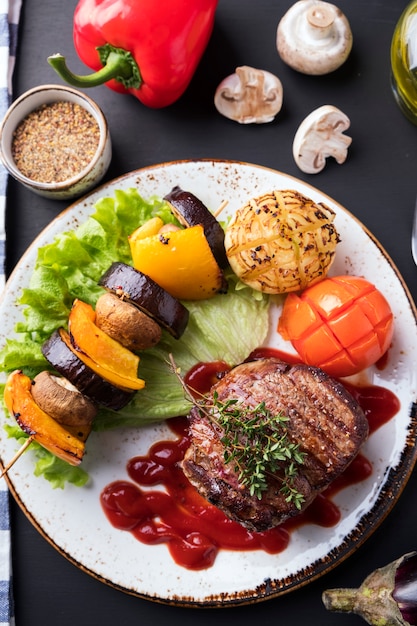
column 126, row 323
column 314, row 37
column 61, row 400
column 249, row 96
column 320, row 136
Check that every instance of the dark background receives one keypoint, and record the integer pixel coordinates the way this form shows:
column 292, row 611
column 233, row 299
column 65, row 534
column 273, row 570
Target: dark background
column 378, row 184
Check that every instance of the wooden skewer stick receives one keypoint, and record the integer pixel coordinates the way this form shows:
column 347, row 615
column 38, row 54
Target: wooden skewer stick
column 220, row 208
column 17, row 455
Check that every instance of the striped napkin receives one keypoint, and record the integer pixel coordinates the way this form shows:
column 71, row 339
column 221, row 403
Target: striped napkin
column 9, row 19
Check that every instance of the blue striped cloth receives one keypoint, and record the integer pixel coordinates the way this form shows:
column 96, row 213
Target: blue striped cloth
column 9, row 19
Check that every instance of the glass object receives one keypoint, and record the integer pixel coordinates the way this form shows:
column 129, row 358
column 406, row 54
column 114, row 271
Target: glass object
column 404, row 62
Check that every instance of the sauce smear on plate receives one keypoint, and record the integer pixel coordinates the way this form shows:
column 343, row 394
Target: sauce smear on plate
column 193, row 529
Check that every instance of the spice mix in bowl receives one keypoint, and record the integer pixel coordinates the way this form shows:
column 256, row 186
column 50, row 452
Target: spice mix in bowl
column 55, row 141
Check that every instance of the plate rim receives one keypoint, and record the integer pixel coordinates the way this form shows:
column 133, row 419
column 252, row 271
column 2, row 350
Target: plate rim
column 397, row 477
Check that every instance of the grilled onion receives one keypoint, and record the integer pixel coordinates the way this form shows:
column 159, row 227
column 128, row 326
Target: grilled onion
column 281, row 241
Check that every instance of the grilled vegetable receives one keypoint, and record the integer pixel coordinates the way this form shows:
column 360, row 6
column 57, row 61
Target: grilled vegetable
column 191, row 211
column 343, row 324
column 140, row 290
column 111, row 360
column 38, row 424
column 180, row 261
column 125, row 323
column 387, row 597
column 61, row 400
column 83, row 373
column 281, row 242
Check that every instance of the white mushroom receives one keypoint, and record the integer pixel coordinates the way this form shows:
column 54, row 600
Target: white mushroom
column 319, row 136
column 249, row 96
column 314, row 37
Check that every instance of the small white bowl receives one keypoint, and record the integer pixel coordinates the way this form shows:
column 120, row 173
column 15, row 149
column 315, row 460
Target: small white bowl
column 78, row 184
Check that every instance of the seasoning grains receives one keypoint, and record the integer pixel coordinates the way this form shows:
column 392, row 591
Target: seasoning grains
column 55, row 142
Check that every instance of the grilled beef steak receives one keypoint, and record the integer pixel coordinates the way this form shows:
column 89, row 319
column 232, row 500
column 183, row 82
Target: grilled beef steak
column 324, row 420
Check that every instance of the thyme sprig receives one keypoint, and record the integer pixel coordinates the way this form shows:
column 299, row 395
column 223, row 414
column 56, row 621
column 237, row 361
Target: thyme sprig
column 255, row 440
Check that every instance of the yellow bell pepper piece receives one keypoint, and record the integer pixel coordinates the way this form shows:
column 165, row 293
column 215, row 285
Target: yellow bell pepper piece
column 112, row 361
column 180, row 261
column 149, row 228
column 111, row 377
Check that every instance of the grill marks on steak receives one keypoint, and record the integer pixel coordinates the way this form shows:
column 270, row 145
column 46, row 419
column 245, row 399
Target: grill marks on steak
column 324, row 419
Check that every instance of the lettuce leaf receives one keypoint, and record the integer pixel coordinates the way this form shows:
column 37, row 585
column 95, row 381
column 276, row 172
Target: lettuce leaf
column 226, row 327
column 72, row 264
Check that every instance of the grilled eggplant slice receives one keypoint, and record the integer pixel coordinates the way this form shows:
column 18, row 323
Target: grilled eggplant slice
column 78, row 369
column 191, row 211
column 139, row 289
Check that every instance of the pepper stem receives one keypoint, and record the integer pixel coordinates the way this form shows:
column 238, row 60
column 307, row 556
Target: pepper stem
column 118, row 64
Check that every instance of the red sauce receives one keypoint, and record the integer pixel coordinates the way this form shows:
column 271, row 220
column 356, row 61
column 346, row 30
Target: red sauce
column 203, row 376
column 195, row 530
column 378, row 404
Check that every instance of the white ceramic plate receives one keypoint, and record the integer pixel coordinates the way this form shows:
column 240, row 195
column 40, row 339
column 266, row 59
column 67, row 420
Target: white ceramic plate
column 72, row 519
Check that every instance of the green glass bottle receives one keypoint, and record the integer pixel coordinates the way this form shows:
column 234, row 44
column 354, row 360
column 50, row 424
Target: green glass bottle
column 404, row 62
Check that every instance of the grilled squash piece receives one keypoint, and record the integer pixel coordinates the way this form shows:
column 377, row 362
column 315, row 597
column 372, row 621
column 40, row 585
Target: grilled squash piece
column 34, row 421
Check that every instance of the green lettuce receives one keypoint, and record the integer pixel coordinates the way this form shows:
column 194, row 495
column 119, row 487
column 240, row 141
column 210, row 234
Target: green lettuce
column 226, row 327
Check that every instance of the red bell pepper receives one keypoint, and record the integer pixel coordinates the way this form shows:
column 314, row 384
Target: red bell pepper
column 149, row 48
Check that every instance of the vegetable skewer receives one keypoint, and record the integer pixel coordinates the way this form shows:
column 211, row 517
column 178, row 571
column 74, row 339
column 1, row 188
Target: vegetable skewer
column 17, row 456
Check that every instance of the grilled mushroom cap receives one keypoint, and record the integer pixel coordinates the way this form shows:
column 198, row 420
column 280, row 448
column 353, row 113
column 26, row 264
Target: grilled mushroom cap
column 61, row 400
column 126, row 323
